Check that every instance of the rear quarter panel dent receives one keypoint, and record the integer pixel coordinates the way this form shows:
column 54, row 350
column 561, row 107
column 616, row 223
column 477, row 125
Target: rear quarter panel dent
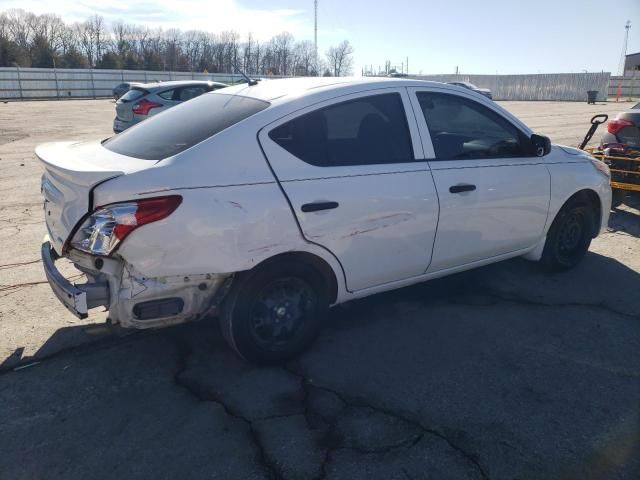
column 221, row 230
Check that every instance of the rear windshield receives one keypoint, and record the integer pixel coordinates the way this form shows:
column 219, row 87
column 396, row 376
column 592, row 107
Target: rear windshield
column 181, row 127
column 133, row 94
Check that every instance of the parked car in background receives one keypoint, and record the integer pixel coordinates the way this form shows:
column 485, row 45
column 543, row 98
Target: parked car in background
column 147, row 99
column 470, row 86
column 122, row 88
column 620, row 147
column 267, row 204
column 624, row 129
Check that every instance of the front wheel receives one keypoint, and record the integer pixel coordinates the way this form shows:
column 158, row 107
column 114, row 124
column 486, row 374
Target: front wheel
column 274, row 313
column 569, row 237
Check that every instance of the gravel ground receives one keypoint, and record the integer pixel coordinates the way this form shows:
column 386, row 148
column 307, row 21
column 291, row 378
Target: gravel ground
column 503, row 372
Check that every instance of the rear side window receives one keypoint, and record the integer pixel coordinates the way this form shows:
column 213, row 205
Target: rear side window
column 133, row 94
column 167, row 94
column 365, row 131
column 181, row 127
column 187, row 93
column 463, row 129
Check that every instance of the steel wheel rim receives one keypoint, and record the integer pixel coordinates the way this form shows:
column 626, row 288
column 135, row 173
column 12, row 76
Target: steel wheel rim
column 571, row 234
column 280, row 309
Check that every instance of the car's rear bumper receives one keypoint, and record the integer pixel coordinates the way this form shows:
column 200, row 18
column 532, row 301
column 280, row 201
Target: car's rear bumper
column 120, row 125
column 78, row 299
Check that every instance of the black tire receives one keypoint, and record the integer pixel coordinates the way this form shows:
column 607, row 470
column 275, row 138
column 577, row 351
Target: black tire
column 569, row 237
column 617, row 197
column 273, row 313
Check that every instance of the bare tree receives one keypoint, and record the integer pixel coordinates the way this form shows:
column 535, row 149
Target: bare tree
column 84, row 32
column 26, row 39
column 282, row 51
column 247, row 50
column 21, row 27
column 192, row 47
column 172, row 48
column 339, row 59
column 304, row 58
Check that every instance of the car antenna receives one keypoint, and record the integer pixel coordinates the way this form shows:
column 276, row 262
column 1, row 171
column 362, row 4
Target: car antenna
column 250, row 82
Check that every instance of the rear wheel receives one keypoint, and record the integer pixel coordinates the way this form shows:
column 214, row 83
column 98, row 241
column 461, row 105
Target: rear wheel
column 273, row 313
column 569, row 237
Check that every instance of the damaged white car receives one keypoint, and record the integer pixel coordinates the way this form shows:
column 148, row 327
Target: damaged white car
column 265, row 204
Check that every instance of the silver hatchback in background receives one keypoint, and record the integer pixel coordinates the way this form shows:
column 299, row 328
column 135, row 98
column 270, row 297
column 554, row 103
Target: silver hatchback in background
column 147, row 99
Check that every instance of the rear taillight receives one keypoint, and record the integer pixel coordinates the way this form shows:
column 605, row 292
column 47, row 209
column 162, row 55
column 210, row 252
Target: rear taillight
column 106, row 227
column 617, row 124
column 144, row 106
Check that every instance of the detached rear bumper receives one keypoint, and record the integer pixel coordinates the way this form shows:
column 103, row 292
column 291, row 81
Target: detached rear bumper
column 76, row 298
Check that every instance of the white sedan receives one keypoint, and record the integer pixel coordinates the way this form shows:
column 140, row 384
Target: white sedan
column 266, row 204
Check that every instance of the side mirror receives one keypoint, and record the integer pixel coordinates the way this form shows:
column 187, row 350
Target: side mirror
column 540, row 145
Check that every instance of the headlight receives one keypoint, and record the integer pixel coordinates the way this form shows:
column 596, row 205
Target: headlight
column 108, row 226
column 601, row 167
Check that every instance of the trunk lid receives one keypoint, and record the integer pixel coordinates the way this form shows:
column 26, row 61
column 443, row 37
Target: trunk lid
column 124, row 111
column 124, row 105
column 72, row 170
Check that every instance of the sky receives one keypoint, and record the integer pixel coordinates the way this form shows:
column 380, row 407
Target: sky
column 489, row 36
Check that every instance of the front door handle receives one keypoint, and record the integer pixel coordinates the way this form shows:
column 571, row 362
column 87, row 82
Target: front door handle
column 317, row 206
column 462, row 188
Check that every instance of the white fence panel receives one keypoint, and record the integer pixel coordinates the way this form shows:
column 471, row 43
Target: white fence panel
column 552, row 86
column 26, row 83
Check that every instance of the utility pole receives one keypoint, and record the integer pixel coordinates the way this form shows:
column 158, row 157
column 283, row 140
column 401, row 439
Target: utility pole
column 315, row 35
column 627, row 27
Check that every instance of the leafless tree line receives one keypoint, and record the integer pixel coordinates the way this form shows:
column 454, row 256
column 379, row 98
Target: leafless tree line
column 30, row 40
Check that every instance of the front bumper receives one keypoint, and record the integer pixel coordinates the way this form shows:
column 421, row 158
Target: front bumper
column 78, row 299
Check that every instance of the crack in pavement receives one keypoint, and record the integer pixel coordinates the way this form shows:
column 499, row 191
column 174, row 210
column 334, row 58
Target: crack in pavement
column 204, row 395
column 328, row 435
column 19, row 264
column 410, row 442
column 522, row 300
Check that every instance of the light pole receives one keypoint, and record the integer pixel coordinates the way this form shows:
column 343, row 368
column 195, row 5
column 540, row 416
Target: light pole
column 623, row 57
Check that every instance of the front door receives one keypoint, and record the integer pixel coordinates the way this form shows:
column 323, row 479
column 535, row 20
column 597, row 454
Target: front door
column 354, row 173
column 494, row 194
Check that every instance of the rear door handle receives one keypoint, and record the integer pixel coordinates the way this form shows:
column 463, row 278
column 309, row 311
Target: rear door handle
column 317, row 206
column 462, row 188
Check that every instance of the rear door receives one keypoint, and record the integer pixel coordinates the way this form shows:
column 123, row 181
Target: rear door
column 494, row 195
column 355, row 175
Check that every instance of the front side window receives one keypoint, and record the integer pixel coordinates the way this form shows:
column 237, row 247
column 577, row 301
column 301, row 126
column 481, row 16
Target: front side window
column 462, row 129
column 365, row 131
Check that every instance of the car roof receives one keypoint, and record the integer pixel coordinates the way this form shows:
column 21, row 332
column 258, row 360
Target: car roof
column 292, row 94
column 288, row 89
column 153, row 86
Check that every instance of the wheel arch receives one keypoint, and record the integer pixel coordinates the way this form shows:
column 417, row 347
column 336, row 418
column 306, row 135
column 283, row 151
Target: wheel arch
column 317, row 263
column 589, row 197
